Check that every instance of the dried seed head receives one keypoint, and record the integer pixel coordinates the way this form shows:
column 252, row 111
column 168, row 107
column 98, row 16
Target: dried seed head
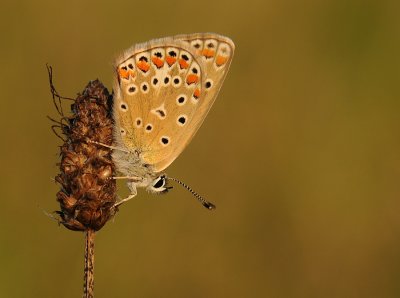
column 87, row 195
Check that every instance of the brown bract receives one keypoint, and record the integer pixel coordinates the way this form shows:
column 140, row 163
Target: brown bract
column 87, row 194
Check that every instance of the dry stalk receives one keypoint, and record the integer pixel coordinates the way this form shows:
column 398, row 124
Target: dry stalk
column 87, row 195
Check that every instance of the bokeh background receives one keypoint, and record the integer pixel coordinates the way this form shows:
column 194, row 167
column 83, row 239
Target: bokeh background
column 300, row 153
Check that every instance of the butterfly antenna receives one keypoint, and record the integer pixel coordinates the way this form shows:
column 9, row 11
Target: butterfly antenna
column 208, row 205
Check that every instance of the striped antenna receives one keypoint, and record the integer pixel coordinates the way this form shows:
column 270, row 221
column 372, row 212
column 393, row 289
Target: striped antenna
column 208, row 205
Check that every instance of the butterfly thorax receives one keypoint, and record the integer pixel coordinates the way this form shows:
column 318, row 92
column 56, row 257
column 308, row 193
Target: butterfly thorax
column 132, row 165
column 141, row 174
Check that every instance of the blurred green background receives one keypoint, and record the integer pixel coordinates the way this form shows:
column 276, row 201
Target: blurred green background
column 300, row 153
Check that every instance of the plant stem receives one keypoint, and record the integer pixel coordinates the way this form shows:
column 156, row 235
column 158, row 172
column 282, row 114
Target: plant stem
column 88, row 286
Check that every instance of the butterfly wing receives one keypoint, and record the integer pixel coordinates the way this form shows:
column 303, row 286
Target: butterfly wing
column 163, row 91
column 214, row 53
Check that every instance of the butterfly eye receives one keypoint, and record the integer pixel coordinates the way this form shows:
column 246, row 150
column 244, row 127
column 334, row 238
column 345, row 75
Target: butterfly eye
column 160, row 182
column 159, row 185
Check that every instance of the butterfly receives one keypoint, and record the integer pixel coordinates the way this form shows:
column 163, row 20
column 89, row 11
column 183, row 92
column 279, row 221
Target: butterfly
column 163, row 90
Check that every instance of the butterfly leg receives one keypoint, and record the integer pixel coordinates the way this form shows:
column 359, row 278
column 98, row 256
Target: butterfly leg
column 132, row 178
column 108, row 146
column 132, row 187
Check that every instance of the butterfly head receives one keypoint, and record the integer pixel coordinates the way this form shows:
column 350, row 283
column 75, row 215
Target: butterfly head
column 159, row 185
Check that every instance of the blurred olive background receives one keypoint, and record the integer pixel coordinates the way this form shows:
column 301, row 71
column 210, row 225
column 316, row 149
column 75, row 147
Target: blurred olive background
column 300, row 153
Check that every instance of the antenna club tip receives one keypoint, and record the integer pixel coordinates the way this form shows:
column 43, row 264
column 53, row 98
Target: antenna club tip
column 210, row 206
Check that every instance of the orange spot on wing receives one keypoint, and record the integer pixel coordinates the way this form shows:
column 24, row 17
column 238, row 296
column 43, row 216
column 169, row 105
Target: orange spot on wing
column 157, row 61
column 183, row 63
column 143, row 66
column 192, row 78
column 208, row 53
column 170, row 60
column 221, row 60
column 196, row 93
column 124, row 74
